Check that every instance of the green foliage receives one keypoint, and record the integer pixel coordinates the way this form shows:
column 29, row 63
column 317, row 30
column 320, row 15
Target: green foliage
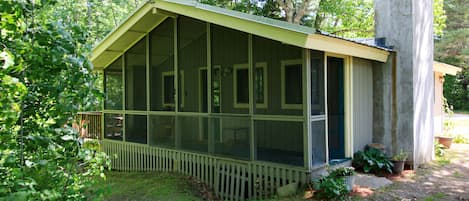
column 330, row 187
column 439, row 17
column 93, row 145
column 342, row 171
column 44, row 80
column 372, row 160
column 461, row 139
column 439, row 149
column 401, row 156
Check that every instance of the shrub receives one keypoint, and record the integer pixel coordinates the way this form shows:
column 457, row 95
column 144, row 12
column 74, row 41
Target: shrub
column 330, row 188
column 439, row 149
column 372, row 160
column 460, row 139
column 342, row 172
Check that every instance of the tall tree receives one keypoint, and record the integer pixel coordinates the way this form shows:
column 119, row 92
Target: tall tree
column 45, row 78
column 295, row 10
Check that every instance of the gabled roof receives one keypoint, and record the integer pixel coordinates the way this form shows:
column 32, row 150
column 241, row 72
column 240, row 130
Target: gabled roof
column 151, row 13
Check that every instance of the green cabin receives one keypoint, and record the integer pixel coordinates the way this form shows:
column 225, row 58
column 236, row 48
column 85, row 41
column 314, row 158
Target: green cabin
column 244, row 103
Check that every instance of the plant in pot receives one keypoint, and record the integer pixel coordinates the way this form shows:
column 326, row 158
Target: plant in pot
column 446, row 138
column 398, row 161
column 347, row 173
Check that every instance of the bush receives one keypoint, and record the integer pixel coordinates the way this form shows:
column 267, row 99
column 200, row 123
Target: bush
column 439, row 149
column 372, row 160
column 342, row 172
column 330, row 188
column 460, row 139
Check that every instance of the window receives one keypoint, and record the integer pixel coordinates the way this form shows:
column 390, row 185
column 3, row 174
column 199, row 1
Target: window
column 260, row 85
column 292, row 87
column 241, row 84
column 168, row 89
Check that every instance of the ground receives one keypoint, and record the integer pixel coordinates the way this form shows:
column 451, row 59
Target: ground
column 445, row 179
column 121, row 186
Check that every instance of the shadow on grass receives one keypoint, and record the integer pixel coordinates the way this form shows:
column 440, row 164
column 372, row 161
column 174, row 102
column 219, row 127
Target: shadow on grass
column 143, row 186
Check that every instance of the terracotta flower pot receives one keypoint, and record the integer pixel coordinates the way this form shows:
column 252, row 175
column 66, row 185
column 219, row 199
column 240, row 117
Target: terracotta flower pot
column 445, row 141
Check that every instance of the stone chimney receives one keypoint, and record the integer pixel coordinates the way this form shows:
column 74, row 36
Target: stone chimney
column 407, row 25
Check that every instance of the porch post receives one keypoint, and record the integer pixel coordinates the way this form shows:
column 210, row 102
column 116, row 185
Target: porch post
column 307, row 108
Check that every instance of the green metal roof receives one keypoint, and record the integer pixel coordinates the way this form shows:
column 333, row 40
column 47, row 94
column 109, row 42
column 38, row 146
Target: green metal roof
column 153, row 12
column 245, row 16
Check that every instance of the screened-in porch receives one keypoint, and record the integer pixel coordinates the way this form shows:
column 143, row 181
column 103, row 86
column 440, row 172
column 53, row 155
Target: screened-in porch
column 194, row 86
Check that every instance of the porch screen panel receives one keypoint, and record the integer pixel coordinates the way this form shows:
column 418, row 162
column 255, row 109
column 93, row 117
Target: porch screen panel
column 318, row 142
column 317, row 83
column 231, row 136
column 113, row 86
column 113, row 124
column 192, row 133
column 162, row 91
column 135, row 77
column 162, row 131
column 279, row 142
column 136, row 128
column 283, row 77
column 230, row 87
column 192, row 64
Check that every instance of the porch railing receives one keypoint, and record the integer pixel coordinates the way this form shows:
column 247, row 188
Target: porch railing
column 230, row 179
column 89, row 124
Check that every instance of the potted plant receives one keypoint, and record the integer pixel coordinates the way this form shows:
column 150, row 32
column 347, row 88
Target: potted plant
column 398, row 161
column 446, row 139
column 347, row 173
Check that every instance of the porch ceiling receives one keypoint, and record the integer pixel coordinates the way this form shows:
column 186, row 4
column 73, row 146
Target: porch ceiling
column 150, row 14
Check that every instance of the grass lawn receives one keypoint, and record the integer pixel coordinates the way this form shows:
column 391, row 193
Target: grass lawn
column 123, row 186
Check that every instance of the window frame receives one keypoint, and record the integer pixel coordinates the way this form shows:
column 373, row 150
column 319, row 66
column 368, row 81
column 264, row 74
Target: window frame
column 236, row 67
column 285, row 64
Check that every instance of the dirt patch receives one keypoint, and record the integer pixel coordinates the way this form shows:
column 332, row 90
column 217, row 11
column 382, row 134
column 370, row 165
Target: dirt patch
column 440, row 180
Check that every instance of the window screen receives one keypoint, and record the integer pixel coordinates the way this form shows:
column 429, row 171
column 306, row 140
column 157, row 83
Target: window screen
column 135, row 77
column 317, row 83
column 318, row 142
column 229, row 48
column 113, row 124
column 231, row 136
column 162, row 131
column 162, row 61
column 279, row 142
column 136, row 128
column 192, row 133
column 192, row 59
column 272, row 54
column 113, row 86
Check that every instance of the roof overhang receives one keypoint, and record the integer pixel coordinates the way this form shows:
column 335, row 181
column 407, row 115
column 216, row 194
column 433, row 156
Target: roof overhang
column 150, row 14
column 445, row 68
